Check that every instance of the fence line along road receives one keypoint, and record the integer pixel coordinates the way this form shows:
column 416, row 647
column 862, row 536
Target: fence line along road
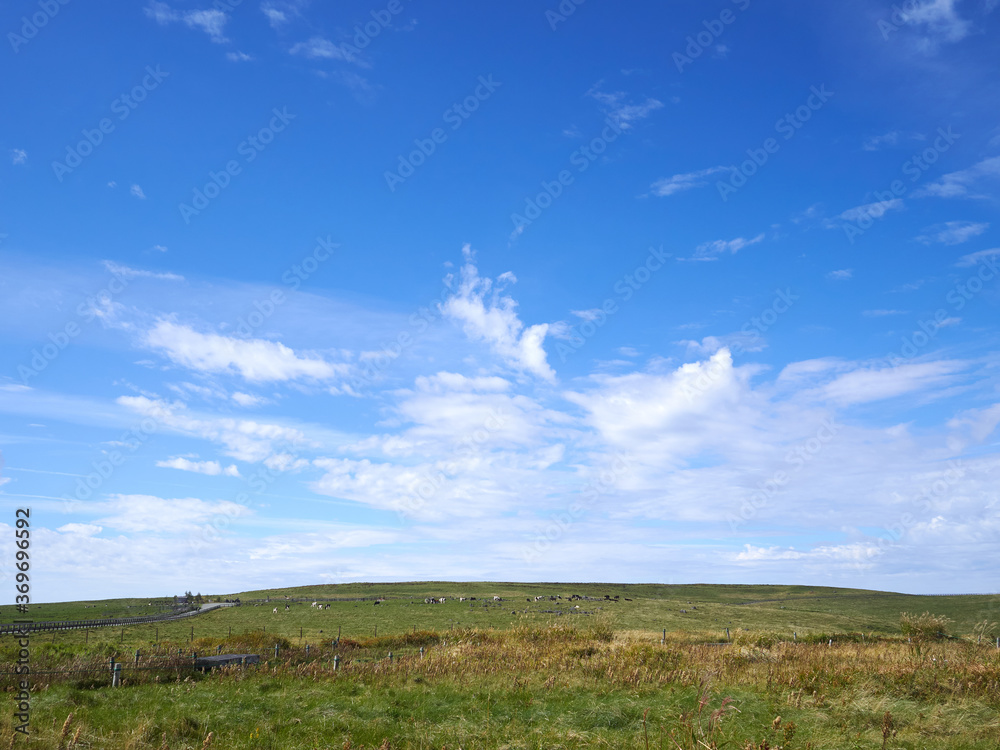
column 35, row 627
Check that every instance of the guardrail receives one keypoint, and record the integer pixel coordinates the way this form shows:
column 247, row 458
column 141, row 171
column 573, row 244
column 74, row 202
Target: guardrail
column 107, row 622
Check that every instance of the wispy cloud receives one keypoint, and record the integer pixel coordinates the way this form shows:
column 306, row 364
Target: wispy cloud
column 958, row 184
column 624, row 114
column 876, row 142
column 972, row 259
column 712, row 250
column 133, row 273
column 212, row 22
column 882, row 313
column 667, row 186
column 319, row 48
column 842, row 274
column 18, row 156
column 953, row 232
column 939, row 19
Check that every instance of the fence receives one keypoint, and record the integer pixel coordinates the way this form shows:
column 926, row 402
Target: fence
column 107, row 622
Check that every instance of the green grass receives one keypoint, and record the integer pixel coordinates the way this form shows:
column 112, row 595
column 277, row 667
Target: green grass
column 511, row 675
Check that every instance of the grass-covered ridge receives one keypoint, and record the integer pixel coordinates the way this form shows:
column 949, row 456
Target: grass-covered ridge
column 517, row 674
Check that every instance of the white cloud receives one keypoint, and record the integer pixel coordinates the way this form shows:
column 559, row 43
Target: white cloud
column 256, row 360
column 670, row 185
column 712, row 250
column 209, row 468
column 137, row 192
column 872, row 210
column 953, row 232
column 842, row 274
column 243, row 439
column 239, row 56
column 875, row 142
column 126, row 272
column 624, row 114
column 160, row 248
column 247, row 399
column 18, row 156
column 147, row 513
column 318, row 48
column 882, row 313
column 875, row 384
column 487, row 316
column 967, row 261
column 275, row 17
column 83, row 529
column 958, row 184
column 212, row 22
column 939, row 18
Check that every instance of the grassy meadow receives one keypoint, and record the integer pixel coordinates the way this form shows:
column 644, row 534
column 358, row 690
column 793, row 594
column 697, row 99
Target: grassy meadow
column 518, row 674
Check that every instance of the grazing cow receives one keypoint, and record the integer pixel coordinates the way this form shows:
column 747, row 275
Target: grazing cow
column 275, row 611
column 377, row 602
column 327, row 606
column 496, row 598
column 442, row 600
column 461, row 598
column 313, row 604
column 286, row 607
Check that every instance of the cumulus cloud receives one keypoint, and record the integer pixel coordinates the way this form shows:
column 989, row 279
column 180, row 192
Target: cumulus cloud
column 487, row 315
column 256, row 360
column 209, row 468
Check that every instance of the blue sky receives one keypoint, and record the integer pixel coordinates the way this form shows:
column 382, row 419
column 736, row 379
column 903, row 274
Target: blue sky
column 534, row 291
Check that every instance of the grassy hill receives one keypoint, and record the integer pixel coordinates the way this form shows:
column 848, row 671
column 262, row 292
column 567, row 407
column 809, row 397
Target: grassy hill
column 704, row 611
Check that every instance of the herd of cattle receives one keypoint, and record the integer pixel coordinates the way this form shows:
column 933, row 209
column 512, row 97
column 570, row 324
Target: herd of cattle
column 443, row 599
